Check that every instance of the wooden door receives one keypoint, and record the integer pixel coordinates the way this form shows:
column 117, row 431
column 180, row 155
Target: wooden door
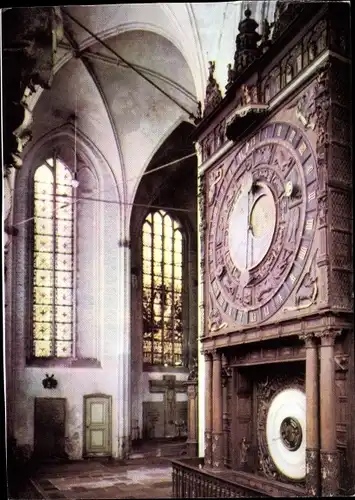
column 97, row 418
column 49, row 428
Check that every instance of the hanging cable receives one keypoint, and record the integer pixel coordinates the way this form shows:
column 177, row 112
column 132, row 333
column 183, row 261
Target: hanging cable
column 104, row 44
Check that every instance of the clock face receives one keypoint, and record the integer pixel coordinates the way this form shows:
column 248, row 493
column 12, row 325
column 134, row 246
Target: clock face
column 261, row 223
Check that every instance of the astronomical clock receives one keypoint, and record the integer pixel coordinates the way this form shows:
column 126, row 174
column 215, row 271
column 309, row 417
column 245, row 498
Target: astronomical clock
column 262, row 227
column 276, row 260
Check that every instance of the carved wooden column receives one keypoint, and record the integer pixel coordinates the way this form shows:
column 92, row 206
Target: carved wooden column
column 312, row 416
column 329, row 461
column 208, row 410
column 217, row 412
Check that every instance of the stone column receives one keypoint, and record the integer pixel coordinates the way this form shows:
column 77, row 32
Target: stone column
column 192, row 448
column 208, row 410
column 217, row 412
column 329, row 461
column 226, row 373
column 312, row 416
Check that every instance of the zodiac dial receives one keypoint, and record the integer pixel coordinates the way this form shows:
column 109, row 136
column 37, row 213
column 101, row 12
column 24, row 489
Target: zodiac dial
column 261, row 224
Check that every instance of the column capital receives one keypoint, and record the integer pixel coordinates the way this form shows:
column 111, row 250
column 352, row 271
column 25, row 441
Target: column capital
column 328, row 336
column 309, row 339
column 216, row 355
column 207, row 355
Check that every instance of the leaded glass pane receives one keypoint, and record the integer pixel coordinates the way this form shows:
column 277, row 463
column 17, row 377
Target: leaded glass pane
column 43, row 277
column 63, row 262
column 147, row 267
column 43, row 260
column 162, row 314
column 43, row 295
column 63, row 296
column 44, row 174
column 42, row 348
column 43, row 331
column 63, row 349
column 42, row 313
column 43, row 208
column 63, row 331
column 43, row 226
column 63, row 174
column 64, row 245
column 63, row 314
column 53, row 260
column 64, row 209
column 43, row 191
column 147, row 253
column 63, row 279
column 43, row 243
column 64, row 228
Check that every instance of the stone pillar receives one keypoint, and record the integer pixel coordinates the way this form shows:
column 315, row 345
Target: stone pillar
column 312, row 416
column 192, row 443
column 329, row 460
column 217, row 412
column 208, row 410
column 124, row 350
column 226, row 374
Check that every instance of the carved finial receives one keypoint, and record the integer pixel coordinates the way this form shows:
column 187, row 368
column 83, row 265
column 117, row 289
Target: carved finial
column 246, row 43
column 213, row 93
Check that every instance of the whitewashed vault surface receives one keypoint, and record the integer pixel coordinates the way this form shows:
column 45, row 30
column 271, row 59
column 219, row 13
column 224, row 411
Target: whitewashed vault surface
column 122, row 114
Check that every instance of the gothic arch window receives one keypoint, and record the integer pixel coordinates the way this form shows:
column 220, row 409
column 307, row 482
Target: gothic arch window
column 162, row 244
column 53, row 261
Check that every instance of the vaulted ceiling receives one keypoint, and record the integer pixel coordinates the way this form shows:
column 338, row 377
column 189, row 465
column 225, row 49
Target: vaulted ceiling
column 125, row 116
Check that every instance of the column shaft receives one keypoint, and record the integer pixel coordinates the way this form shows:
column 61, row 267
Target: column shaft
column 328, row 455
column 208, row 410
column 217, row 413
column 312, row 417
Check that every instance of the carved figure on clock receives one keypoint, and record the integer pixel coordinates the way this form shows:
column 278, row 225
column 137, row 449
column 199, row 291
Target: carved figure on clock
column 260, row 222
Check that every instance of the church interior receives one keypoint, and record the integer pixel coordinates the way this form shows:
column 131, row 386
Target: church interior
column 178, row 250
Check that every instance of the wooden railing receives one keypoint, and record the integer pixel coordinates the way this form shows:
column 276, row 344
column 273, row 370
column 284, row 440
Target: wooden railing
column 192, row 480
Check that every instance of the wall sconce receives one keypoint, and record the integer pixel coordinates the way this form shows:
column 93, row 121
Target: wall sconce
column 49, row 382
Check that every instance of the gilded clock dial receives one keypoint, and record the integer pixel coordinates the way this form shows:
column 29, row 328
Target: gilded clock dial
column 262, row 223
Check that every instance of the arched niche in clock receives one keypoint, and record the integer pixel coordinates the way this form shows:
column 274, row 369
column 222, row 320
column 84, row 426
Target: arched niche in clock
column 262, row 223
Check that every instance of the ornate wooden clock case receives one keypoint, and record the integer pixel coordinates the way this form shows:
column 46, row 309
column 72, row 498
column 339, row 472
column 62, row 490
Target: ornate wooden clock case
column 276, row 260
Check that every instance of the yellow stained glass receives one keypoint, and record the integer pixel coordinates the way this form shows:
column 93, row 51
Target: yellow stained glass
column 43, row 260
column 42, row 313
column 43, row 243
column 157, row 254
column 43, row 226
column 43, row 331
column 42, row 348
column 158, row 241
column 43, row 277
column 147, row 253
column 44, row 208
column 53, row 260
column 43, row 295
column 162, row 311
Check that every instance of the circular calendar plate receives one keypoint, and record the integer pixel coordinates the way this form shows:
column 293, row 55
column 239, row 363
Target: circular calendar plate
column 286, row 432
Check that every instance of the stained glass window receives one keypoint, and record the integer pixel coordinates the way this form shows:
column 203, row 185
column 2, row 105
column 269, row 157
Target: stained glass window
column 162, row 290
column 53, row 261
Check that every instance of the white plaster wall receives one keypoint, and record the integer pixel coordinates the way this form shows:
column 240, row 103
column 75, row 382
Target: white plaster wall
column 107, row 334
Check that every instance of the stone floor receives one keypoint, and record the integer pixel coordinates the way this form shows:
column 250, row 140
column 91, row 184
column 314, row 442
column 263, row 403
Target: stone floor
column 94, row 480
